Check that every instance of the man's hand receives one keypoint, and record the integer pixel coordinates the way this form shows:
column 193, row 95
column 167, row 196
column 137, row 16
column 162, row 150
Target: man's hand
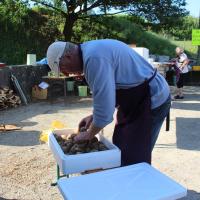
column 83, row 136
column 85, row 122
column 89, row 134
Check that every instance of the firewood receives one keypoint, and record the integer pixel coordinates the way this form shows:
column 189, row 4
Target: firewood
column 8, row 98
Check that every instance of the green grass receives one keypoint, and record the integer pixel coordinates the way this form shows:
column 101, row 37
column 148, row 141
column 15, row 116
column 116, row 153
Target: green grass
column 130, row 32
column 162, row 46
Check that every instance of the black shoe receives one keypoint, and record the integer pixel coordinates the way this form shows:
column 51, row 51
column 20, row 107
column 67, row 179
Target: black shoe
column 178, row 97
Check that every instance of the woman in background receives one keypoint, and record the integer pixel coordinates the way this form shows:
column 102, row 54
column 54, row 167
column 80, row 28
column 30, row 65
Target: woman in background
column 181, row 67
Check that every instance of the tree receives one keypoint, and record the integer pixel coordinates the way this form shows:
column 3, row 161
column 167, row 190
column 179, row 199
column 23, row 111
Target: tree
column 183, row 30
column 155, row 11
column 23, row 30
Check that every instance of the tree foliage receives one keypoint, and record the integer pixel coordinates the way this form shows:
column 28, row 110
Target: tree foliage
column 26, row 29
column 183, row 31
column 160, row 12
column 23, row 31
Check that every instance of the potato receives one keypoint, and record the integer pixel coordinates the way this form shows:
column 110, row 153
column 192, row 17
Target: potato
column 71, row 136
column 58, row 138
column 65, row 150
column 64, row 137
column 87, row 150
column 94, row 139
column 82, row 146
column 93, row 150
column 82, row 142
column 94, row 145
column 70, row 147
column 102, row 147
column 74, row 148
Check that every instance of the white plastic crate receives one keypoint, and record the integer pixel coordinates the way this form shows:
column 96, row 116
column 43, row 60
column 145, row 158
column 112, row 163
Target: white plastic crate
column 134, row 182
column 144, row 52
column 70, row 164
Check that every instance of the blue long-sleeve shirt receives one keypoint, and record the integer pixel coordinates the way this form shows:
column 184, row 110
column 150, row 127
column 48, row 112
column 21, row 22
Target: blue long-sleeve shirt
column 109, row 65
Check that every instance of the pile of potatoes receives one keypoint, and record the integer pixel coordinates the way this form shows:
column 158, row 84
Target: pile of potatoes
column 70, row 147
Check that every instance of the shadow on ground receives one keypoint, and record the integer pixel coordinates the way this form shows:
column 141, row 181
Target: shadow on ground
column 192, row 90
column 18, row 115
column 188, row 133
column 190, row 93
column 186, row 106
column 22, row 117
column 20, row 138
column 191, row 195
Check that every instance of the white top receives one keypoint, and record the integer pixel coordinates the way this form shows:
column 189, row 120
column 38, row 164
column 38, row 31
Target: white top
column 134, row 182
column 180, row 61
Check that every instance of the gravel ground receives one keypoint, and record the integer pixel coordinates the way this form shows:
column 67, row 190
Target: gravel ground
column 27, row 168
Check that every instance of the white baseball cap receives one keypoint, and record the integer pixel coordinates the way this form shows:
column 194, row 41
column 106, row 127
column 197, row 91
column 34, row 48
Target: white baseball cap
column 55, row 52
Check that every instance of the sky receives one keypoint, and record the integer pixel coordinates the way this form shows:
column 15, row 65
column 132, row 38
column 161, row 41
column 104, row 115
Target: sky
column 194, row 7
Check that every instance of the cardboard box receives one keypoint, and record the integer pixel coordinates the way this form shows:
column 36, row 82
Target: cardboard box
column 78, row 163
column 39, row 93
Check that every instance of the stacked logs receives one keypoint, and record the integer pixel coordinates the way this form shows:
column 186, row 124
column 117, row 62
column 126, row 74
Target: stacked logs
column 8, row 99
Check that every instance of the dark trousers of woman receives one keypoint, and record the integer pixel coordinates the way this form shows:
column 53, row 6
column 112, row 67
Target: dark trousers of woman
column 181, row 80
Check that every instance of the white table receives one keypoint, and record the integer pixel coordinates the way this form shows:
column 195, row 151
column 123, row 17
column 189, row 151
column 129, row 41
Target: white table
column 134, row 182
column 162, row 67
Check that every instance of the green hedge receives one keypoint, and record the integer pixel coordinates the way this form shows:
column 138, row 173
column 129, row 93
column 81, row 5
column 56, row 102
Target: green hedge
column 23, row 31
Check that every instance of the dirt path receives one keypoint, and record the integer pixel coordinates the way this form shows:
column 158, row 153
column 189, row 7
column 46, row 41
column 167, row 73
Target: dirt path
column 27, row 168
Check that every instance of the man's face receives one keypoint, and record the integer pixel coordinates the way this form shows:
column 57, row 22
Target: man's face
column 70, row 62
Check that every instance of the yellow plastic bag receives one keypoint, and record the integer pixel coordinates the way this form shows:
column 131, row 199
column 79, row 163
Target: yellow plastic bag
column 57, row 125
column 44, row 135
column 54, row 125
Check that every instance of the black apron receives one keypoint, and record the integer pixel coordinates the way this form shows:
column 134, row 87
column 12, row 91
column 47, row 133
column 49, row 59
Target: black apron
column 132, row 133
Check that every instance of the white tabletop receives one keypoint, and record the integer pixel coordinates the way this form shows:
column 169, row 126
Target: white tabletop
column 134, row 182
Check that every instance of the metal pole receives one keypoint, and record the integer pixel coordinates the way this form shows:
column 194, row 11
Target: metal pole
column 198, row 51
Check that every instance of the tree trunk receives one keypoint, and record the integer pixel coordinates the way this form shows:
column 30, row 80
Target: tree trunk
column 68, row 28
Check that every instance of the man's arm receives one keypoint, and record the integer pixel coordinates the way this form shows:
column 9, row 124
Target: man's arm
column 100, row 77
column 186, row 61
column 93, row 130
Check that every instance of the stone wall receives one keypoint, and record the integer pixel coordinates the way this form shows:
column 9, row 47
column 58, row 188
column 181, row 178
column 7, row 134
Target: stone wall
column 27, row 76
